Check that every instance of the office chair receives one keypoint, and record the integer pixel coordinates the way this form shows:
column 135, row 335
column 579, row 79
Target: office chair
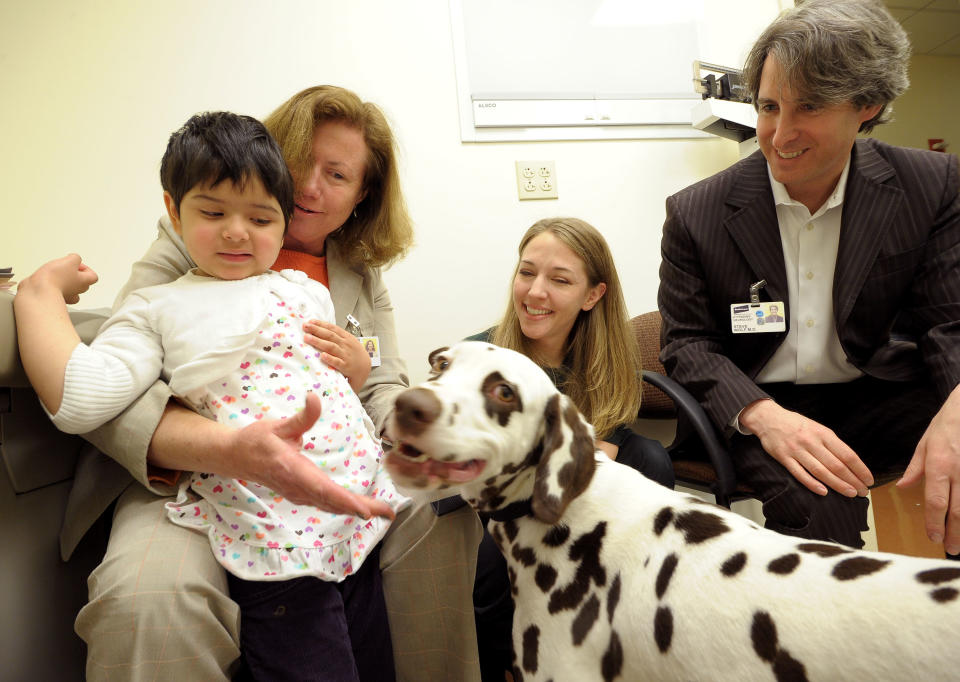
column 700, row 458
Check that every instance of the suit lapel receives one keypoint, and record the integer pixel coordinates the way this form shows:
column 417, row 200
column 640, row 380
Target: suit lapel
column 754, row 228
column 344, row 284
column 869, row 207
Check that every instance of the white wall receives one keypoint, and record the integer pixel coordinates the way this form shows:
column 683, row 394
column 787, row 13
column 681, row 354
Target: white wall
column 92, row 90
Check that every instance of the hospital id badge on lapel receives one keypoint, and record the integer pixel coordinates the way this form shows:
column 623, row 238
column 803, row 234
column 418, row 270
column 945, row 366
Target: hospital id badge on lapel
column 757, row 318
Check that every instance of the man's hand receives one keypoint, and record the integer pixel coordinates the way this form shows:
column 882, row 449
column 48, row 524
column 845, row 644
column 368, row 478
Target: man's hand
column 267, row 452
column 340, row 349
column 811, row 452
column 937, row 461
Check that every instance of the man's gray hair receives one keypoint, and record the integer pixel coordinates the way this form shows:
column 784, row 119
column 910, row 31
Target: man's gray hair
column 836, row 51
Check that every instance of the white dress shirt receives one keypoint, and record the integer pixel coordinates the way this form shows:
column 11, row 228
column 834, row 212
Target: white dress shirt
column 811, row 352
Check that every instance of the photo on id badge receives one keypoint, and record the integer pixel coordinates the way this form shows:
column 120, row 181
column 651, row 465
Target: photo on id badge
column 371, row 344
column 757, row 318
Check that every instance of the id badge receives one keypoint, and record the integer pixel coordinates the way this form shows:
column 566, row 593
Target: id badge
column 757, row 318
column 371, row 344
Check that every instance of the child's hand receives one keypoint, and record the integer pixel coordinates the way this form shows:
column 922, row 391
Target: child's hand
column 68, row 275
column 340, row 349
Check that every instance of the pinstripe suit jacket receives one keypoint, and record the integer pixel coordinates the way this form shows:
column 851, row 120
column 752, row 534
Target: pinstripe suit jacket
column 896, row 291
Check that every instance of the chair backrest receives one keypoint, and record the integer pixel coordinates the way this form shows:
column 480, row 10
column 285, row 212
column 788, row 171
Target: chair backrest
column 653, row 401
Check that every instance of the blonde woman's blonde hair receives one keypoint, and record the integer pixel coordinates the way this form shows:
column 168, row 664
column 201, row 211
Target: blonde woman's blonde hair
column 380, row 231
column 602, row 356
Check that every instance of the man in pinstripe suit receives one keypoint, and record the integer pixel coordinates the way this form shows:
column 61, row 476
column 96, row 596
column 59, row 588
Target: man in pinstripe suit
column 858, row 243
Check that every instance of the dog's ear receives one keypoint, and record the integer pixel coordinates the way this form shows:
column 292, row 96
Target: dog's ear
column 567, row 462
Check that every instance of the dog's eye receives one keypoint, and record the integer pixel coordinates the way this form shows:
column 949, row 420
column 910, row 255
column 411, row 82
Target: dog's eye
column 504, row 393
column 441, row 364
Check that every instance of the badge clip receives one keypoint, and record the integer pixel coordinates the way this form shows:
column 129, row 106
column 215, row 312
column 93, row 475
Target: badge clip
column 353, row 326
column 755, row 291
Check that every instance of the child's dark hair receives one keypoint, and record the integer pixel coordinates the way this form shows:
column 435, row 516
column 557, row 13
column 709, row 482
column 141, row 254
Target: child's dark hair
column 215, row 146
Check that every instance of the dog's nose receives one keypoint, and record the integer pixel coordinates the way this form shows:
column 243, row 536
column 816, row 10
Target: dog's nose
column 416, row 409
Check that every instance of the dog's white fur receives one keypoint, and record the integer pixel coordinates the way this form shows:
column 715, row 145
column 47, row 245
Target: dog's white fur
column 624, row 579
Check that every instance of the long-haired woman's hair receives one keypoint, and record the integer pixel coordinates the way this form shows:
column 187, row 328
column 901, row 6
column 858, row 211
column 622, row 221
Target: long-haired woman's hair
column 602, row 357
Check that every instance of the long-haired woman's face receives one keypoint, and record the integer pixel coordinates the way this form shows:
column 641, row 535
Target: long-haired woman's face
column 550, row 289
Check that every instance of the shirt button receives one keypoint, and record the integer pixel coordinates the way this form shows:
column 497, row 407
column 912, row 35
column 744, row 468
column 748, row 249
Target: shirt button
column 808, row 369
column 809, row 226
column 809, row 274
column 810, row 322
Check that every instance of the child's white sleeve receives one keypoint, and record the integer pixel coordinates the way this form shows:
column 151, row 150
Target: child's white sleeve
column 102, row 379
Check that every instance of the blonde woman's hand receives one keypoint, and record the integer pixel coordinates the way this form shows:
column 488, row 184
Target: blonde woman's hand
column 271, row 449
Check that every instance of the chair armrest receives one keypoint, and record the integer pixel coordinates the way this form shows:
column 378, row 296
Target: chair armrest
column 688, row 408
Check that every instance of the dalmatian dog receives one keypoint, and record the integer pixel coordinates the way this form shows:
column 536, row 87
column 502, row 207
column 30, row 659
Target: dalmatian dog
column 617, row 578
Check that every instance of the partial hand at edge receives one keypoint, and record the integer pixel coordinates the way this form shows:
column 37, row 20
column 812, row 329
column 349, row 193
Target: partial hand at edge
column 811, row 452
column 937, row 461
column 340, row 349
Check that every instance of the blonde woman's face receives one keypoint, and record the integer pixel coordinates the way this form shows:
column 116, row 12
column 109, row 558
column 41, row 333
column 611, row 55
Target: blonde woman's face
column 327, row 195
column 549, row 291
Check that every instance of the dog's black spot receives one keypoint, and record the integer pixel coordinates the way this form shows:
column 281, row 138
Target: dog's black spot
column 944, row 594
column 788, row 669
column 613, row 598
column 588, row 615
column 822, row 549
column 545, row 576
column 666, row 572
column 510, row 529
column 496, row 407
column 662, row 520
column 611, row 665
column 734, row 564
column 524, row 555
column 531, row 649
column 663, row 628
column 857, row 567
column 935, row 576
column 763, row 635
column 556, row 536
column 784, row 565
column 585, row 552
column 698, row 526
column 512, row 574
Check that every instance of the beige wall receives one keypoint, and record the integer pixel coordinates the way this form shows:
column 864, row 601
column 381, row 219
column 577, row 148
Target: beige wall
column 930, row 108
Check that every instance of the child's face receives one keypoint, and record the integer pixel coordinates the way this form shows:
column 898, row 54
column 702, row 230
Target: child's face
column 229, row 233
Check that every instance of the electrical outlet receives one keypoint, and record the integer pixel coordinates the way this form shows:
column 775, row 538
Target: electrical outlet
column 536, row 180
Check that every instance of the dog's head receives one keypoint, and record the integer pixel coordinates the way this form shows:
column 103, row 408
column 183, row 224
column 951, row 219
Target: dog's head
column 490, row 425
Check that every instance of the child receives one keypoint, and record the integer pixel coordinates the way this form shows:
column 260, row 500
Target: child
column 227, row 338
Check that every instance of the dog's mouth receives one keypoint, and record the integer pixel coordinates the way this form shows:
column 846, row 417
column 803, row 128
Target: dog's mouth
column 406, row 459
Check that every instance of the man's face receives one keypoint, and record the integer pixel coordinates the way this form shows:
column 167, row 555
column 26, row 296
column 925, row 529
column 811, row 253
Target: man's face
column 806, row 144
